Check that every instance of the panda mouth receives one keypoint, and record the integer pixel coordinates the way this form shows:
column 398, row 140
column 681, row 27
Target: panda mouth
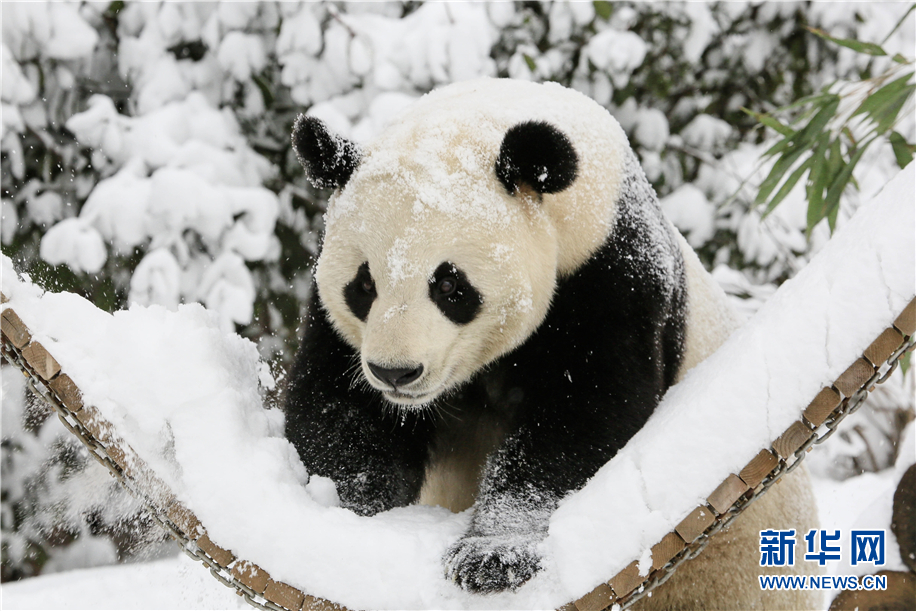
column 403, row 398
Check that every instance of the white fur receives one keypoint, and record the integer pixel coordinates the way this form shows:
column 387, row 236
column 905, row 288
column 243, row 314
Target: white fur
column 426, row 192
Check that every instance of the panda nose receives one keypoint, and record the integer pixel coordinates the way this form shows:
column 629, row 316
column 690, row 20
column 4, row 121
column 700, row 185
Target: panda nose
column 396, row 376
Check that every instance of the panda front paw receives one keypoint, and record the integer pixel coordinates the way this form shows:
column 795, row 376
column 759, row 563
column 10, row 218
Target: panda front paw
column 484, row 564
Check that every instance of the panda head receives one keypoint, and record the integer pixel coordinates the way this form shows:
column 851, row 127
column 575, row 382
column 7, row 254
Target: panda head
column 443, row 243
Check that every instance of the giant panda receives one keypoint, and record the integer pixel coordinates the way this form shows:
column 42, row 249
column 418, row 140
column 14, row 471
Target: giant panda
column 499, row 306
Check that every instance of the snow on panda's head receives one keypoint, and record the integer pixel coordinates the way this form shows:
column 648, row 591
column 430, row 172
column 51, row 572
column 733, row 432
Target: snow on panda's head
column 447, row 234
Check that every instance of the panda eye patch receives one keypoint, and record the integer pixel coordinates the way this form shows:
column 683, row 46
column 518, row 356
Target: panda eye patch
column 454, row 295
column 360, row 292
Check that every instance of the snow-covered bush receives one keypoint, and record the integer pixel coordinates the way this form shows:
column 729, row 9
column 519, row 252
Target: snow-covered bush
column 146, row 158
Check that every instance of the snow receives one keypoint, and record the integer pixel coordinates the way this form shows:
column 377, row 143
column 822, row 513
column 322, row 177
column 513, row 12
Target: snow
column 691, row 213
column 175, row 583
column 75, row 242
column 184, row 395
column 771, row 367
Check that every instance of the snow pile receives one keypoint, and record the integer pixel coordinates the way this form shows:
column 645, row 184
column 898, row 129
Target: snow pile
column 184, row 395
column 183, row 167
column 748, row 392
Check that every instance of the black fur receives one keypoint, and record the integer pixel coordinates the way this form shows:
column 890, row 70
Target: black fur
column 329, row 160
column 460, row 305
column 344, row 431
column 537, row 155
column 360, row 293
column 567, row 399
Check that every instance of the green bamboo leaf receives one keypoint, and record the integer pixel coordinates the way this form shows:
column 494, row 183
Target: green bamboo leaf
column 796, row 146
column 832, row 200
column 885, row 96
column 530, row 61
column 886, row 116
column 817, row 183
column 779, row 169
column 868, row 48
column 816, row 99
column 780, row 147
column 903, row 150
column 788, row 184
column 832, row 213
column 900, row 22
column 771, row 122
column 834, row 162
column 603, row 9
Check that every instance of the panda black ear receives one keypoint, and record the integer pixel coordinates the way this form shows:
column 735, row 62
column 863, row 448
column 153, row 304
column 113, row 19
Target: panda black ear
column 537, row 155
column 329, row 160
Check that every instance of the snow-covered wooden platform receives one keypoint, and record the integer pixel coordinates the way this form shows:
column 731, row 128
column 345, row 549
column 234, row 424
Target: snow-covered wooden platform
column 171, row 404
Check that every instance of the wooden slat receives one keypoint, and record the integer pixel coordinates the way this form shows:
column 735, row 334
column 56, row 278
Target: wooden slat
column 906, row 322
column 313, row 603
column 14, row 329
column 3, row 298
column 223, row 557
column 41, row 361
column 792, row 439
column 883, row 347
column 186, row 521
column 666, row 549
column 695, row 524
column 68, row 392
column 626, row 580
column 853, row 378
column 758, row 468
column 121, row 459
column 284, row 595
column 158, row 492
column 824, row 403
column 100, row 428
column 723, row 497
column 598, row 599
column 251, row 575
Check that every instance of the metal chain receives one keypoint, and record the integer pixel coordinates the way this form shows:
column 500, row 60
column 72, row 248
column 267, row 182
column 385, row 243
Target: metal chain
column 99, row 451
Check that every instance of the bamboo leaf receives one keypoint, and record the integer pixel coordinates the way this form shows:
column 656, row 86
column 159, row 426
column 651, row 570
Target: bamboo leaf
column 603, row 9
column 780, row 147
column 779, row 169
column 816, row 99
column 885, row 96
column 832, row 213
column 832, row 200
column 868, row 48
column 900, row 22
column 887, row 116
column 903, row 150
column 817, row 183
column 788, row 184
column 771, row 122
